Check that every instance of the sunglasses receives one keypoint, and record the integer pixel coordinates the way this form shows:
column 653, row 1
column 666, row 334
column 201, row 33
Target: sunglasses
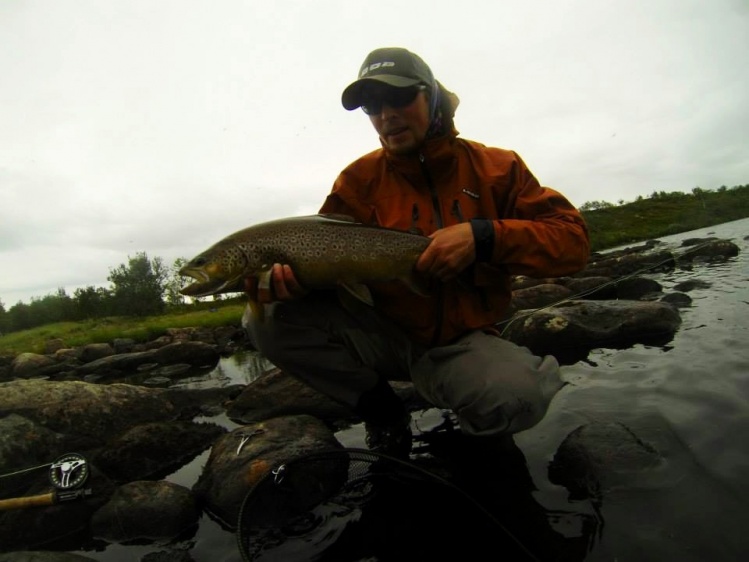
column 373, row 100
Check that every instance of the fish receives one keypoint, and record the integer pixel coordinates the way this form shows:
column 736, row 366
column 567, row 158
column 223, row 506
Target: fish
column 324, row 251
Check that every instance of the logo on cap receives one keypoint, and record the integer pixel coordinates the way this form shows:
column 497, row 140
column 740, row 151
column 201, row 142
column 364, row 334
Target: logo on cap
column 375, row 66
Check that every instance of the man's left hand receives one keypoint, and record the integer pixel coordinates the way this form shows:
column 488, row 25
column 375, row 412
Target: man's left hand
column 451, row 251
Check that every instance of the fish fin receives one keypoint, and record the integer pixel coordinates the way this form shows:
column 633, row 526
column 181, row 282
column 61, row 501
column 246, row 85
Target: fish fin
column 337, row 217
column 359, row 291
column 257, row 310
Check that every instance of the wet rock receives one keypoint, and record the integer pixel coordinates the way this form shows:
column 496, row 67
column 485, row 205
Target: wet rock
column 157, row 382
column 24, row 443
column 154, row 450
column 692, row 284
column 277, row 394
column 539, row 295
column 146, row 510
column 677, row 299
column 626, row 264
column 117, row 365
column 43, row 556
column 576, row 327
column 596, row 288
column 599, row 457
column 84, row 409
column 235, row 466
column 195, row 353
column 168, row 556
column 26, row 529
column 172, row 370
column 711, row 250
column 635, row 288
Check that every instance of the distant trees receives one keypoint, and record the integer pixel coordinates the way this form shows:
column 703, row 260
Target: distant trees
column 138, row 287
column 174, row 283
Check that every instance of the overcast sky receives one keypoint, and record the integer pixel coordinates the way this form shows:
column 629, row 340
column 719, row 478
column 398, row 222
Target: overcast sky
column 162, row 126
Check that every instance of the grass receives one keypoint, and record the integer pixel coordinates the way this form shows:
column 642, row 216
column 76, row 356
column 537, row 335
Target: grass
column 75, row 334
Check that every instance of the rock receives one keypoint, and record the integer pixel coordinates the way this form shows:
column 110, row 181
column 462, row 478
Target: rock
column 28, row 364
column 576, row 327
column 154, row 450
column 94, row 351
column 174, row 555
column 275, row 394
column 711, row 249
column 635, row 288
column 87, row 410
column 195, row 353
column 123, row 345
column 146, row 510
column 617, row 265
column 117, row 365
column 598, row 457
column 539, row 295
column 691, row 284
column 232, row 469
column 677, row 299
column 597, row 288
column 157, row 382
column 52, row 345
column 43, row 556
column 25, row 443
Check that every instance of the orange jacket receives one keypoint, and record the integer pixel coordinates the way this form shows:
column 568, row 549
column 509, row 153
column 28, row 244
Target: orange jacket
column 537, row 231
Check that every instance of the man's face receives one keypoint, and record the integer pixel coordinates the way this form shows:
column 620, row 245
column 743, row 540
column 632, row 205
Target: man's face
column 399, row 115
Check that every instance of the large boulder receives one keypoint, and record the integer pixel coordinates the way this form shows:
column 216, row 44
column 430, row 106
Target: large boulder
column 576, row 327
column 146, row 510
column 240, row 459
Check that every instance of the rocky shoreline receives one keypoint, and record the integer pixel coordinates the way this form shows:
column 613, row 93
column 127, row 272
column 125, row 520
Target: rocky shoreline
column 115, row 404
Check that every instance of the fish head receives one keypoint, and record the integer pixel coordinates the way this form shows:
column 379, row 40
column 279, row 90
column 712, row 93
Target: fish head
column 220, row 269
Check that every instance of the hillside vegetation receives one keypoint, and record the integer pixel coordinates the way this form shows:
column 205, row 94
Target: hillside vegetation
column 662, row 214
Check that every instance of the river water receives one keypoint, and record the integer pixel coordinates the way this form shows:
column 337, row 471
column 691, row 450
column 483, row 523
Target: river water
column 687, row 401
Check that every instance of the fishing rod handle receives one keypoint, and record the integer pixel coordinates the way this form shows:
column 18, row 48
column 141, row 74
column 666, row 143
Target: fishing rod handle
column 28, row 501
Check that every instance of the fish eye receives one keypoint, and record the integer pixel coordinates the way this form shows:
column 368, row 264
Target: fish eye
column 199, row 261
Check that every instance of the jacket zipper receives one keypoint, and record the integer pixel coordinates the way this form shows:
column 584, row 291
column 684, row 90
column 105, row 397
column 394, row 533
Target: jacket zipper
column 415, row 220
column 457, row 212
column 440, row 224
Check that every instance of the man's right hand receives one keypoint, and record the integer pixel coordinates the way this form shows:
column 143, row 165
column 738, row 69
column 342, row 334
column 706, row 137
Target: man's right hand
column 283, row 286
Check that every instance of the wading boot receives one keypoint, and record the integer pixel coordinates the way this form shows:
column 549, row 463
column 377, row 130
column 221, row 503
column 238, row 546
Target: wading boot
column 386, row 422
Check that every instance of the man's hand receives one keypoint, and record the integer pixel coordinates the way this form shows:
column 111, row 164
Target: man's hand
column 451, row 251
column 283, row 286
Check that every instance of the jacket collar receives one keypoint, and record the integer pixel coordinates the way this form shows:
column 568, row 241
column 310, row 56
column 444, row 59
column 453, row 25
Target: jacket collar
column 436, row 155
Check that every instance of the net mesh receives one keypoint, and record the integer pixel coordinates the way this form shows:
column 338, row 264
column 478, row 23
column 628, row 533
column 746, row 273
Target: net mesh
column 358, row 505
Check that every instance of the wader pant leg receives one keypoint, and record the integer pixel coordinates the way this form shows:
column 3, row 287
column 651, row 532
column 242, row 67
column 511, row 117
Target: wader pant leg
column 340, row 350
column 493, row 386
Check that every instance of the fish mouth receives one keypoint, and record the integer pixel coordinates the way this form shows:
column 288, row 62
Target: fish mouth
column 205, row 285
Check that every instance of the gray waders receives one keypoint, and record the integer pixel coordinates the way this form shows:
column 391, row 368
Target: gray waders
column 344, row 349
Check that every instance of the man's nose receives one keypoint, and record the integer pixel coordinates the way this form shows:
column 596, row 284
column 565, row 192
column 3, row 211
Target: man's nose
column 387, row 111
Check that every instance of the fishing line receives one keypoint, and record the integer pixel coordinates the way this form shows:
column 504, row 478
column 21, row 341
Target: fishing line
column 25, row 470
column 672, row 258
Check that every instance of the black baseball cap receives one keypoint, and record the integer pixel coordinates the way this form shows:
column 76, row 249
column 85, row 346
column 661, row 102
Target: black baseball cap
column 393, row 66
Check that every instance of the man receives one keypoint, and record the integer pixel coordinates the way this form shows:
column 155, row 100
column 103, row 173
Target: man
column 488, row 219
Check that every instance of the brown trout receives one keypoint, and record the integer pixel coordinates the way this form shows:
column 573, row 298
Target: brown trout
column 324, row 251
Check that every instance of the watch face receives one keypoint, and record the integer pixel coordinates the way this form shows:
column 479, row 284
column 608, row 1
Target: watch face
column 69, row 471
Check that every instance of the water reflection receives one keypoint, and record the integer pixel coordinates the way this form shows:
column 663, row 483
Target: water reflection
column 240, row 368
